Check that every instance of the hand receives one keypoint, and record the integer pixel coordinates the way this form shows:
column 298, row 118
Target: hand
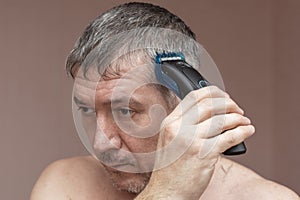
column 191, row 137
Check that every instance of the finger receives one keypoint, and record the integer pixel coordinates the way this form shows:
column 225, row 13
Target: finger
column 233, row 137
column 194, row 97
column 220, row 123
column 209, row 107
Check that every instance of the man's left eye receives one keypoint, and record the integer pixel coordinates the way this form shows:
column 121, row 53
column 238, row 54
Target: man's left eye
column 126, row 111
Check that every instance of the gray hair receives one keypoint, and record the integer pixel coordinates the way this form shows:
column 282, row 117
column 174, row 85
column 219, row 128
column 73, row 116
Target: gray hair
column 122, row 19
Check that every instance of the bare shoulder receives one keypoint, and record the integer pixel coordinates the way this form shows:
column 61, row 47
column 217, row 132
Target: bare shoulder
column 249, row 185
column 67, row 177
column 267, row 189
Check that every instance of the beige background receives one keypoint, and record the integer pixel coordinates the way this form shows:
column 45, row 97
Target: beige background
column 255, row 43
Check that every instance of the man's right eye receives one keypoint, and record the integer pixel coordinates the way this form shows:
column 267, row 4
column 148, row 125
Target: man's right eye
column 86, row 110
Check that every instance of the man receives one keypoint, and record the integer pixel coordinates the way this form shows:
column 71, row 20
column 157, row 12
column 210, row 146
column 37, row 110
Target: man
column 126, row 116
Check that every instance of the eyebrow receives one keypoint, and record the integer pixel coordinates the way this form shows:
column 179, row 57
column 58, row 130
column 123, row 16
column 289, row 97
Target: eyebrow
column 132, row 101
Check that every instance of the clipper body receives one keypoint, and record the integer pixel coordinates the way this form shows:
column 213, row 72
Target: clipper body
column 173, row 72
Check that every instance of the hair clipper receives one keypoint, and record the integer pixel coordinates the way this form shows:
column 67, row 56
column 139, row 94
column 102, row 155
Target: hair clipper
column 175, row 73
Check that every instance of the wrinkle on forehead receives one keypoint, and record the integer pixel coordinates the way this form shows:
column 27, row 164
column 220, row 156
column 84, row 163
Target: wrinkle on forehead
column 127, row 62
column 116, row 68
column 128, row 73
column 122, row 77
column 120, row 89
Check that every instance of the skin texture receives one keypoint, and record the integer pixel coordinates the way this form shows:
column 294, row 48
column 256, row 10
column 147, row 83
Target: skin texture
column 199, row 173
column 85, row 178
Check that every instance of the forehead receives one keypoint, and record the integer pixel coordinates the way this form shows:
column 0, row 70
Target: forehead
column 96, row 69
column 122, row 78
column 125, row 90
column 116, row 92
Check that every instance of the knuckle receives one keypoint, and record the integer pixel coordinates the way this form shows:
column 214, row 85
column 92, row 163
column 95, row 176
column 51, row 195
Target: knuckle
column 169, row 131
column 238, row 117
column 168, row 136
column 205, row 109
column 245, row 129
column 230, row 103
column 203, row 93
column 241, row 129
column 207, row 92
column 207, row 103
column 210, row 91
column 231, row 139
column 212, row 88
column 219, row 123
column 193, row 95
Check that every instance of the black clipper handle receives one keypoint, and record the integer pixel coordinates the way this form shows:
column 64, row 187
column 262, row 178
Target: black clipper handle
column 188, row 79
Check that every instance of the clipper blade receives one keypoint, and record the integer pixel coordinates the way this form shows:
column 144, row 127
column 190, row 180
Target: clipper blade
column 168, row 56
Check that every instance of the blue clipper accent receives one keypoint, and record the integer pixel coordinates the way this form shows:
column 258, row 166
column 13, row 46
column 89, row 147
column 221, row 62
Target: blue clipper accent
column 165, row 80
column 163, row 77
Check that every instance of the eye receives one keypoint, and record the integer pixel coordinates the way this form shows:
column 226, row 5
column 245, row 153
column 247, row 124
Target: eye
column 127, row 112
column 86, row 110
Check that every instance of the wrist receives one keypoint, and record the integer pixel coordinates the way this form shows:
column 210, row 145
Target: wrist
column 157, row 195
column 156, row 190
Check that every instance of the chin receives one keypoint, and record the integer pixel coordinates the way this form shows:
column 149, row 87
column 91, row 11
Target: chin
column 129, row 182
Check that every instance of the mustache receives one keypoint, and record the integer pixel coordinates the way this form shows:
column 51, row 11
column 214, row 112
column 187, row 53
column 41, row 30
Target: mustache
column 113, row 157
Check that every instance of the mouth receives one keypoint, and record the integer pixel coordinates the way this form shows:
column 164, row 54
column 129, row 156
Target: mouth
column 115, row 160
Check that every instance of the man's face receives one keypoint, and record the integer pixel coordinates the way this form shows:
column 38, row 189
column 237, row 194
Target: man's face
column 128, row 114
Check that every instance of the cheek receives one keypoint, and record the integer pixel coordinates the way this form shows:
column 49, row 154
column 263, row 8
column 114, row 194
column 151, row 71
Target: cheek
column 90, row 126
column 147, row 124
column 149, row 144
column 142, row 120
column 138, row 145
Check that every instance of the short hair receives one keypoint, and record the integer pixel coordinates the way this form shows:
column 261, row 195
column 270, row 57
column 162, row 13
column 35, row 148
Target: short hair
column 122, row 18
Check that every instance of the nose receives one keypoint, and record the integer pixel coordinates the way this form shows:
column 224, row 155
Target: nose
column 107, row 135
